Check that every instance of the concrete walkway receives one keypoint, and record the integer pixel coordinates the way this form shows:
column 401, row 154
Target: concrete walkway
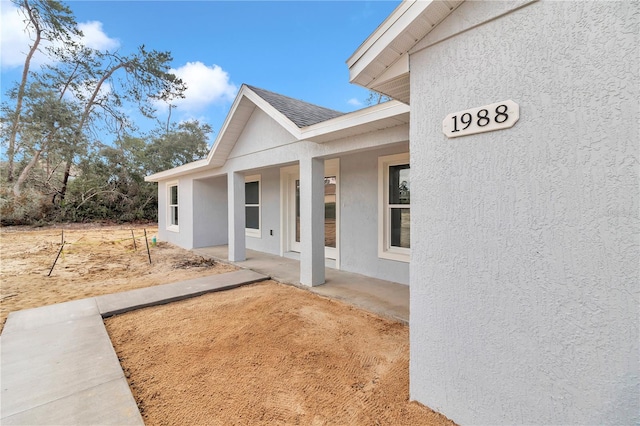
column 58, row 367
column 57, row 364
column 385, row 298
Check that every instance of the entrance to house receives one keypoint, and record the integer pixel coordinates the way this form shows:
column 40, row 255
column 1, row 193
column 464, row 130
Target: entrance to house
column 331, row 208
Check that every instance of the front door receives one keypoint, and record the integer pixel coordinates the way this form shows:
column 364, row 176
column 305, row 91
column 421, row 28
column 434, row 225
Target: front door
column 331, row 207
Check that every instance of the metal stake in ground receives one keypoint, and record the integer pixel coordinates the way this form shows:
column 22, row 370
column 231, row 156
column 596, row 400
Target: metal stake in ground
column 54, row 262
column 147, row 241
column 134, row 241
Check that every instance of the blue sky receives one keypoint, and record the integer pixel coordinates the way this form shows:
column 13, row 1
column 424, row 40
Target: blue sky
column 296, row 48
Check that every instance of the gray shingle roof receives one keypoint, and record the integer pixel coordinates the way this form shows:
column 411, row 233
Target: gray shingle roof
column 301, row 113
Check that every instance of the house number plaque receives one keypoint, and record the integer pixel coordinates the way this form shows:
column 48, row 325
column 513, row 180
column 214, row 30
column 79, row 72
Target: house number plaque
column 488, row 118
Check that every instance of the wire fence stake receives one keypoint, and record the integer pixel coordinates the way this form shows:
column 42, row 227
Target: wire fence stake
column 147, row 241
column 55, row 261
column 134, row 241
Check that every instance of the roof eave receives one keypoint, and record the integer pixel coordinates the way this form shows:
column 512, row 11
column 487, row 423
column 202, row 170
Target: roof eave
column 393, row 113
column 374, row 64
column 238, row 115
column 177, row 171
column 377, row 34
column 231, row 116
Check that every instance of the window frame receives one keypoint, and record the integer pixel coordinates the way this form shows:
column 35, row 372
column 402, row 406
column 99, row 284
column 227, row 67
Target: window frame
column 385, row 250
column 251, row 232
column 174, row 227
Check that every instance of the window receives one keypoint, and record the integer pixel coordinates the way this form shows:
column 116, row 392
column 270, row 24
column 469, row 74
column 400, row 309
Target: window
column 252, row 201
column 172, row 220
column 394, row 213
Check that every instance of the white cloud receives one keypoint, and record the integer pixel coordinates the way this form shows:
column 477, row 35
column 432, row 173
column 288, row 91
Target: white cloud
column 206, row 86
column 15, row 41
column 95, row 38
column 354, row 102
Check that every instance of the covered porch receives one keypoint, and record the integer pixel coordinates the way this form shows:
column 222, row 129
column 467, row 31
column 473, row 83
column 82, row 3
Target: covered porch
column 384, row 298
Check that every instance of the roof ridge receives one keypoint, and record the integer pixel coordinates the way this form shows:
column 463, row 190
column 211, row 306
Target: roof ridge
column 301, row 113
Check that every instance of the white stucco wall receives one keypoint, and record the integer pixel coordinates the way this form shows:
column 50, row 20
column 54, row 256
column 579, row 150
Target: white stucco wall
column 210, row 212
column 260, row 133
column 184, row 236
column 359, row 217
column 270, row 213
column 262, row 148
column 162, row 211
column 524, row 274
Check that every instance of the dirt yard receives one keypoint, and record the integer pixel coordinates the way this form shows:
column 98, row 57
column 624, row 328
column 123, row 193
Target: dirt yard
column 95, row 260
column 267, row 354
column 261, row 354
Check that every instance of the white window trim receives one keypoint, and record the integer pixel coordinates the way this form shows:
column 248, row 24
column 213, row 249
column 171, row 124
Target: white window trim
column 249, row 232
column 288, row 175
column 332, row 168
column 170, row 226
column 385, row 251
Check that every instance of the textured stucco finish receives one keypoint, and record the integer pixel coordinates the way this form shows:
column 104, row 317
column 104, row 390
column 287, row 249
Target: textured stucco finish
column 359, row 217
column 312, row 260
column 524, row 273
column 270, row 213
column 261, row 133
column 210, row 213
column 183, row 238
column 262, row 149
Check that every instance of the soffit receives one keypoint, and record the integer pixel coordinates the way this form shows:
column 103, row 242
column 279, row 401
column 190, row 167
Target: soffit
column 411, row 21
column 398, row 88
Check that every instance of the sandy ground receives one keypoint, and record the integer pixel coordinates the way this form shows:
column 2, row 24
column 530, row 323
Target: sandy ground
column 95, row 260
column 267, row 354
column 261, row 354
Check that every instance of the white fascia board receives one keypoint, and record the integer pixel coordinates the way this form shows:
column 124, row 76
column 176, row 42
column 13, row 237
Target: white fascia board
column 212, row 159
column 227, row 121
column 251, row 96
column 334, row 126
column 246, row 92
column 384, row 35
column 205, row 162
column 356, row 118
column 382, row 28
column 177, row 171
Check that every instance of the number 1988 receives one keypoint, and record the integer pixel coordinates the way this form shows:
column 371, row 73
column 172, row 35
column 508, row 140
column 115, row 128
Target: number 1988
column 482, row 118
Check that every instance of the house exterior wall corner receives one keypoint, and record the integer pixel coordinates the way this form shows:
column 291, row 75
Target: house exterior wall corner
column 524, row 271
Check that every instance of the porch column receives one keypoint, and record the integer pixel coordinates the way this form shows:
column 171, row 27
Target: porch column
column 312, row 221
column 235, row 194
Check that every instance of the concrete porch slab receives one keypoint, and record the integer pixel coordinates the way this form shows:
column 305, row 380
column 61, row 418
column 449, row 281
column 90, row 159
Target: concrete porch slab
column 282, row 269
column 384, row 298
